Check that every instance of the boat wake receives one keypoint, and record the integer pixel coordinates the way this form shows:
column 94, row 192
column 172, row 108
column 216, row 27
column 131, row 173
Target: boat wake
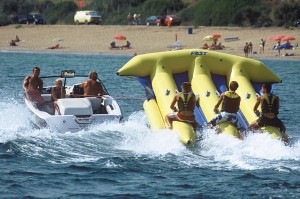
column 133, row 138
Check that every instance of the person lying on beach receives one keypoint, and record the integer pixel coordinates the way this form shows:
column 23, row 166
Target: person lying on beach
column 54, row 47
column 12, row 43
column 286, row 54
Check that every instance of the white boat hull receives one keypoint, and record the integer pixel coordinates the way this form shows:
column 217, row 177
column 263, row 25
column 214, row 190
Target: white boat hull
column 63, row 123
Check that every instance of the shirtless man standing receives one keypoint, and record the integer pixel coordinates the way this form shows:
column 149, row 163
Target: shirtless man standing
column 92, row 86
column 33, row 87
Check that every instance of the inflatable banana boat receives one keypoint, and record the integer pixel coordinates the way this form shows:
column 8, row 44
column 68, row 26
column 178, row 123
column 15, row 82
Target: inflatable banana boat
column 210, row 73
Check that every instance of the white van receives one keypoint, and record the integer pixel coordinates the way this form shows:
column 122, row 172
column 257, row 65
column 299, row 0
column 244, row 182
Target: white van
column 87, row 17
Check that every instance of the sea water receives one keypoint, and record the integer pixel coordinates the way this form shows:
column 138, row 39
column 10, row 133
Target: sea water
column 127, row 160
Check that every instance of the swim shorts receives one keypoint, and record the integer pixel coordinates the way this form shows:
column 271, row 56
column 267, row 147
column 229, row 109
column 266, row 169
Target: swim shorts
column 276, row 122
column 226, row 117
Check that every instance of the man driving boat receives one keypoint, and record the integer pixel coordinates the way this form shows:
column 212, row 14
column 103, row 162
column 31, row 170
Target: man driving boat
column 92, row 87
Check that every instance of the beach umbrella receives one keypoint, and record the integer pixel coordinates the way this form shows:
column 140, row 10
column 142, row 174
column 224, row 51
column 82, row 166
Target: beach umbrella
column 270, row 38
column 216, row 36
column 57, row 39
column 277, row 37
column 208, row 38
column 288, row 38
column 120, row 37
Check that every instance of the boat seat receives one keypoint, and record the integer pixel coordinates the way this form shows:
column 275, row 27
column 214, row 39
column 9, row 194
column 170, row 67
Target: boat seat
column 96, row 104
column 49, row 107
column 73, row 106
column 47, row 97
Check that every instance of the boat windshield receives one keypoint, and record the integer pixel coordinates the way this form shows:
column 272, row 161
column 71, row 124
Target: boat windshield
column 48, row 82
column 75, row 80
column 68, row 77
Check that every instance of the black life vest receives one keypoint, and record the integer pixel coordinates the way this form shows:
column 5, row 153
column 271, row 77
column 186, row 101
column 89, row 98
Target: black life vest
column 270, row 104
column 185, row 101
column 231, row 102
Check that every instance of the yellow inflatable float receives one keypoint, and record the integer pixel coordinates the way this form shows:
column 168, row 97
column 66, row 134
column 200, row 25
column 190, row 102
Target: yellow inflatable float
column 209, row 72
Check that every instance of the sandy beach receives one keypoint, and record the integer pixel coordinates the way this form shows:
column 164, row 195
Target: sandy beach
column 144, row 39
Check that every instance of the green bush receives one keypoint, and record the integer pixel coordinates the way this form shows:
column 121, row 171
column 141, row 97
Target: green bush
column 18, row 26
column 4, row 20
column 60, row 12
column 17, row 6
column 287, row 13
column 256, row 13
column 69, row 19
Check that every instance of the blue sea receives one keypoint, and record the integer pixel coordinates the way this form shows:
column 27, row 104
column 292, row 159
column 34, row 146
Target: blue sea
column 126, row 159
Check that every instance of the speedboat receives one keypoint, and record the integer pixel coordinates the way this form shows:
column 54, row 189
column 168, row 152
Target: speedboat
column 75, row 112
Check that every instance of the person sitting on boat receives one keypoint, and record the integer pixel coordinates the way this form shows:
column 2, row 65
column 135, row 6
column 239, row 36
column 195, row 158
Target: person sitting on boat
column 230, row 106
column 186, row 102
column 58, row 91
column 92, row 87
column 33, row 87
column 270, row 110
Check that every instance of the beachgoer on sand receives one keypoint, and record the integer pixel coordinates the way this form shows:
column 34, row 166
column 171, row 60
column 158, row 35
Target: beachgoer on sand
column 246, row 49
column 127, row 46
column 250, row 47
column 262, row 46
column 54, row 47
column 12, row 43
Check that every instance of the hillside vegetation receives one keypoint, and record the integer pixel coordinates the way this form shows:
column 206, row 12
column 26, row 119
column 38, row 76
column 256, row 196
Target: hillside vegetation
column 256, row 13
